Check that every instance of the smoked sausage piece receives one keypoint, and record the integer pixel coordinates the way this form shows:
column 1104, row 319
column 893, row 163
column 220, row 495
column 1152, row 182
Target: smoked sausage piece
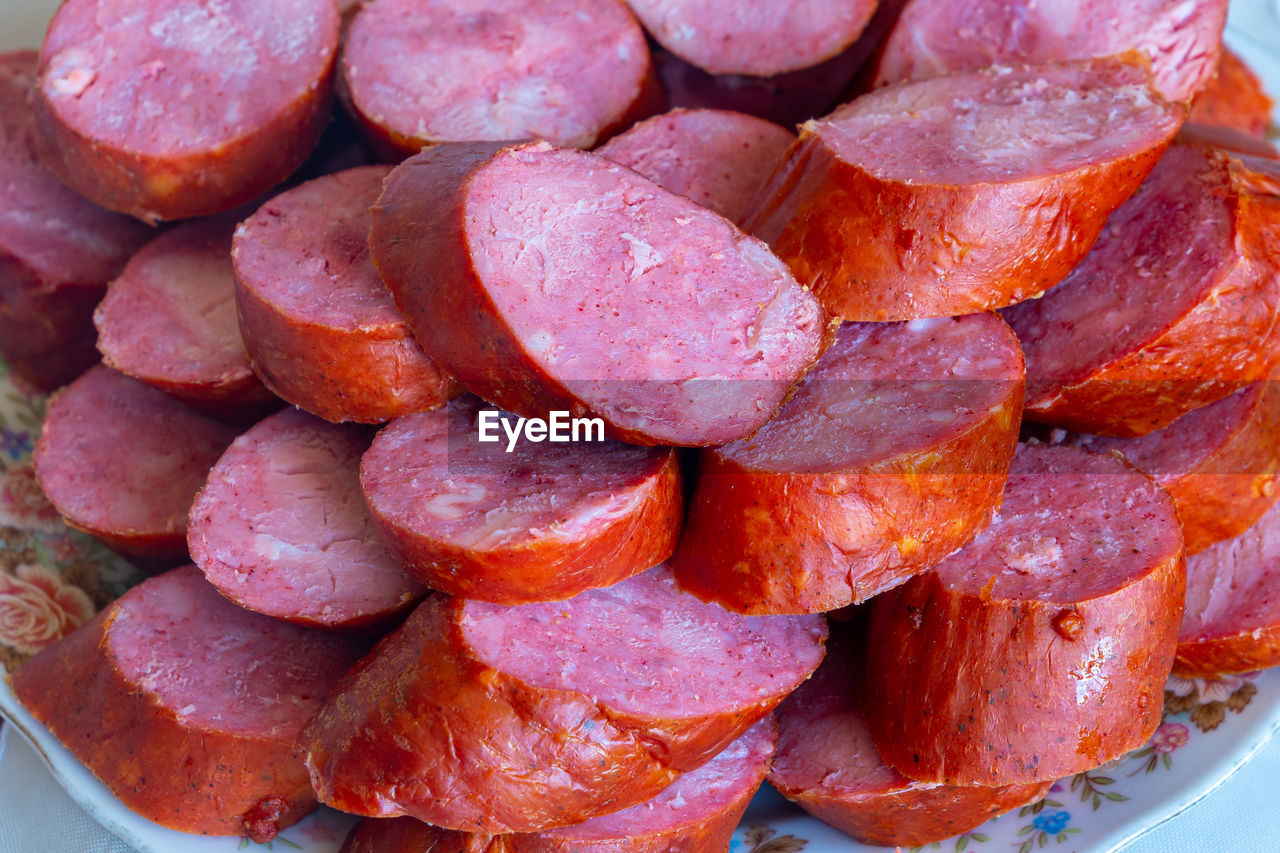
column 318, row 322
column 518, row 521
column 549, row 279
column 964, row 193
column 169, row 319
column 483, row 718
column 1165, row 314
column 1234, row 98
column 123, row 461
column 188, row 707
column 1041, row 648
column 177, row 108
column 719, row 159
column 1181, row 38
column 891, row 454
column 281, row 527
column 573, row 72
column 57, row 249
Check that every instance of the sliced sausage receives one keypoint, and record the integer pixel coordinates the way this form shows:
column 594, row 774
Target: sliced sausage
column 1165, row 314
column 1234, row 98
column 891, row 454
column 187, row 707
column 177, row 108
column 1232, row 621
column 1181, row 38
column 963, row 193
column 169, row 319
column 417, row 72
column 1227, row 139
column 719, row 159
column 494, row 719
column 282, row 528
column 696, row 814
column 588, row 288
column 536, row 521
column 828, row 765
column 1041, row 648
column 1219, row 463
column 318, row 322
column 123, row 461
column 57, row 250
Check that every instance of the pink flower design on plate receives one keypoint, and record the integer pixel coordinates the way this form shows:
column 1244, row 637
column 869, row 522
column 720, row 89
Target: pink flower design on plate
column 23, row 503
column 317, row 830
column 1169, row 737
column 37, row 608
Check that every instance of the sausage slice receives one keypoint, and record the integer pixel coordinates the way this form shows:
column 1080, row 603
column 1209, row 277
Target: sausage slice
column 318, row 322
column 494, row 719
column 548, row 279
column 1041, row 648
column 1234, row 98
column 281, row 527
column 963, row 193
column 533, row 522
column 891, row 454
column 123, row 461
column 187, row 707
column 179, row 108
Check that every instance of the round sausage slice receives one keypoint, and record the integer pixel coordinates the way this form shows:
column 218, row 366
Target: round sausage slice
column 548, row 279
column 891, row 454
column 828, row 765
column 1181, row 38
column 719, row 159
column 318, row 322
column 188, row 707
column 963, row 193
column 494, row 719
column 57, row 249
column 696, row 814
column 1165, row 314
column 418, row 72
column 123, row 461
column 514, row 523
column 282, row 528
column 1234, row 98
column 178, row 108
column 169, row 319
column 1041, row 648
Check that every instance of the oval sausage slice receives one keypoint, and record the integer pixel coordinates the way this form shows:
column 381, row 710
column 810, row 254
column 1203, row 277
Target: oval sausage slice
column 169, row 319
column 1181, row 38
column 891, row 454
column 1165, row 314
column 57, row 249
column 188, row 707
column 517, row 523
column 177, row 108
column 828, row 765
column 719, row 159
column 963, row 193
column 1234, row 98
column 424, row 71
column 548, row 279
column 1041, row 648
column 281, row 527
column 318, row 322
column 123, row 461
column 494, row 719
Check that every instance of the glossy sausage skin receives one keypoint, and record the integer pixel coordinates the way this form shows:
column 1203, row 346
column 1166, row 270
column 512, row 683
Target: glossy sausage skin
column 1234, row 98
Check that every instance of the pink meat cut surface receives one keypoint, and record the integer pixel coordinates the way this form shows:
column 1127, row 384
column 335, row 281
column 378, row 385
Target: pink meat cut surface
column 561, row 70
column 1002, row 125
column 887, row 389
column 644, row 647
column 182, row 75
column 1233, row 587
column 1074, row 526
column 282, row 527
column 216, row 665
column 720, row 159
column 306, row 252
column 429, row 473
